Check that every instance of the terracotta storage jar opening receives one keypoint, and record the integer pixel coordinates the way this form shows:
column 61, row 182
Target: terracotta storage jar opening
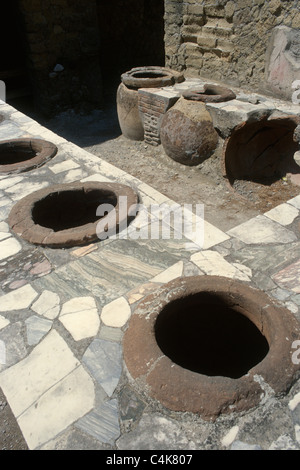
column 66, row 215
column 205, row 334
column 210, row 94
column 18, row 155
column 210, row 345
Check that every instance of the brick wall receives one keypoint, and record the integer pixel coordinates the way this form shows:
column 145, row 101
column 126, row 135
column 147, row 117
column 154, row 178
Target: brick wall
column 227, row 41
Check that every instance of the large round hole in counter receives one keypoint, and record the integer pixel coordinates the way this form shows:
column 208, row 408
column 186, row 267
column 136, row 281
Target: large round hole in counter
column 210, row 345
column 18, row 155
column 67, row 215
column 205, row 334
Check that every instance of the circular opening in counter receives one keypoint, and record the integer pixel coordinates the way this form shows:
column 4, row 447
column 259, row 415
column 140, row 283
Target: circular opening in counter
column 68, row 214
column 20, row 155
column 204, row 334
column 210, row 94
column 151, row 77
column 63, row 210
column 210, row 345
column 147, row 74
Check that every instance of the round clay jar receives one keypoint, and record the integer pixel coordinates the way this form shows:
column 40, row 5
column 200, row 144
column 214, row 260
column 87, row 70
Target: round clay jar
column 187, row 132
column 127, row 95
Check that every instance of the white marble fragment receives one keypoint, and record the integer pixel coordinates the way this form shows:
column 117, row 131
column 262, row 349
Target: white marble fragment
column 9, row 247
column 170, row 273
column 80, row 317
column 47, row 305
column 116, row 313
column 261, row 229
column 18, row 299
column 63, row 166
column 284, row 214
column 230, row 436
column 213, row 264
column 3, row 322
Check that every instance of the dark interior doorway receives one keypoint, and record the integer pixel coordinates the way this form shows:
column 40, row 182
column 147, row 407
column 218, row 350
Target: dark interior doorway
column 13, row 68
column 131, row 35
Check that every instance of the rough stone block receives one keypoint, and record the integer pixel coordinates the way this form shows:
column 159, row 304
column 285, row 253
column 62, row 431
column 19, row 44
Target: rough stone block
column 207, row 42
column 214, row 10
column 190, row 33
column 195, row 10
column 275, row 6
column 296, row 20
column 229, row 9
column 193, row 19
column 225, row 45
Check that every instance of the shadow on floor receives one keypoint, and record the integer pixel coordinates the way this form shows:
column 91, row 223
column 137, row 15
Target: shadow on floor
column 85, row 128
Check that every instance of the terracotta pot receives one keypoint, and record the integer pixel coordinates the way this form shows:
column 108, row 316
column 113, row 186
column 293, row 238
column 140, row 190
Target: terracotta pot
column 262, row 150
column 127, row 95
column 187, row 132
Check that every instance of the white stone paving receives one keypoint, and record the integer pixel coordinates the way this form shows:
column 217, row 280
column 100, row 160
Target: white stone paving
column 295, row 202
column 4, row 235
column 23, row 189
column 4, row 228
column 47, row 305
column 18, row 299
column 116, row 313
column 4, row 201
column 54, row 390
column 213, row 264
column 284, row 214
column 262, row 230
column 169, row 274
column 96, row 177
column 74, row 175
column 3, row 322
column 80, row 317
column 10, row 182
column 63, row 166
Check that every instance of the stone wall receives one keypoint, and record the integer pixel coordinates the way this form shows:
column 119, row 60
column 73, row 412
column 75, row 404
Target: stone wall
column 63, row 52
column 235, row 42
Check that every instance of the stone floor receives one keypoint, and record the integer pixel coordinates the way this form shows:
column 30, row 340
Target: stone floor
column 63, row 314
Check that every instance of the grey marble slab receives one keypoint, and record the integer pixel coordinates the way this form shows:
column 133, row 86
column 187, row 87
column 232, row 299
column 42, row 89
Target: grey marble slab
column 102, row 423
column 104, row 361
